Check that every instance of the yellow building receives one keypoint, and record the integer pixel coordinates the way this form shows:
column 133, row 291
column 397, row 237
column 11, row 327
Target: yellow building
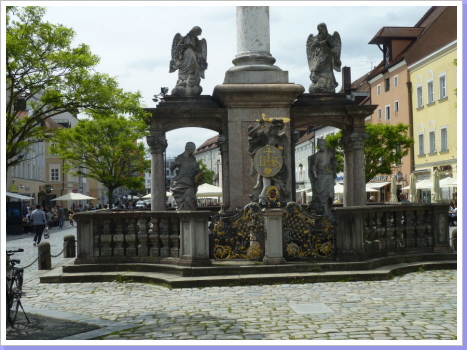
column 434, row 101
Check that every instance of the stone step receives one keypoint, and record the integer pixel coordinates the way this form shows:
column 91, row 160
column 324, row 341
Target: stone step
column 243, row 277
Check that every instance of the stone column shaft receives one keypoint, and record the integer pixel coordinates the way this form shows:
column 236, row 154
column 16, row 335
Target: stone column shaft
column 158, row 144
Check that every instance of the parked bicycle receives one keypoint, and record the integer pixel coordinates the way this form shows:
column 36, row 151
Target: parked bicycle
column 14, row 287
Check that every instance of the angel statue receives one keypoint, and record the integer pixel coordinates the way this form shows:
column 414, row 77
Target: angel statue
column 323, row 52
column 188, row 57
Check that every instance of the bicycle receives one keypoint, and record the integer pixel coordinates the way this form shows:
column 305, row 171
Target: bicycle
column 14, row 288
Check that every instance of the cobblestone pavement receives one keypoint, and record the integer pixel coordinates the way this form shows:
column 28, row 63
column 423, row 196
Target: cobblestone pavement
column 416, row 306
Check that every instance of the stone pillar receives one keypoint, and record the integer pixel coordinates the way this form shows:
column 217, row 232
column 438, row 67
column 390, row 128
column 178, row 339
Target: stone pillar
column 223, row 144
column 354, row 169
column 158, row 144
column 273, row 238
column 253, row 62
column 194, row 238
column 44, row 262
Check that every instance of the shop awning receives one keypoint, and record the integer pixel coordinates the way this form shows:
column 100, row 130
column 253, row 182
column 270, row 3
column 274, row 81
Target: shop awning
column 18, row 196
column 375, row 186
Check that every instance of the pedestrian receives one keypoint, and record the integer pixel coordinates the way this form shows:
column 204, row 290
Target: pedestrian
column 60, row 215
column 403, row 198
column 39, row 221
column 48, row 216
column 70, row 217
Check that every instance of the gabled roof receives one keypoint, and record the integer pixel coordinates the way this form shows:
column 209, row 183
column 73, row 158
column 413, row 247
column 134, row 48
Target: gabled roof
column 207, row 145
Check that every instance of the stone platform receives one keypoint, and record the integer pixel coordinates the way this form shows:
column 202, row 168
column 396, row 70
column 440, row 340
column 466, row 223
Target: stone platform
column 232, row 273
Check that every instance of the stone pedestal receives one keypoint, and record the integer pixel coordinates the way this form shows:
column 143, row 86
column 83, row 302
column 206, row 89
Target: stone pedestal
column 194, row 238
column 273, row 238
column 245, row 105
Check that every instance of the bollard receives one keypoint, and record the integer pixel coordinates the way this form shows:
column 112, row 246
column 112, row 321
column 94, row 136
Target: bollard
column 45, row 259
column 69, row 246
column 454, row 239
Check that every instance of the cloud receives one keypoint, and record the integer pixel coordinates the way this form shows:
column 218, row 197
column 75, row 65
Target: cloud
column 134, row 40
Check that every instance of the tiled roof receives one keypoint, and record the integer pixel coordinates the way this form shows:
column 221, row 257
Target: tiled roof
column 305, row 137
column 207, row 145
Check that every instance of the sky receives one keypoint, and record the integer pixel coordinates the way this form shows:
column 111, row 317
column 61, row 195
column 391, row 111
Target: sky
column 134, row 39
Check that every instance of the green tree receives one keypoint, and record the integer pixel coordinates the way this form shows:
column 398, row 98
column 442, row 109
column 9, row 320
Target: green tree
column 51, row 77
column 386, row 145
column 208, row 175
column 104, row 149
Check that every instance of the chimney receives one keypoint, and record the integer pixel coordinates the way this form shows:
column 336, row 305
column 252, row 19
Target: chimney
column 347, row 82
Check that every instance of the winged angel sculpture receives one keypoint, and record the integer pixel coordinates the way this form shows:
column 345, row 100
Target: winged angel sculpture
column 323, row 52
column 189, row 56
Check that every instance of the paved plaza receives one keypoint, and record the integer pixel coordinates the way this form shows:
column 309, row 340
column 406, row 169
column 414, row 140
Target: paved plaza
column 415, row 306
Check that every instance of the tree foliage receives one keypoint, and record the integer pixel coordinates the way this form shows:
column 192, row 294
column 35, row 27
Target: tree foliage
column 208, row 175
column 52, row 77
column 386, row 146
column 104, row 149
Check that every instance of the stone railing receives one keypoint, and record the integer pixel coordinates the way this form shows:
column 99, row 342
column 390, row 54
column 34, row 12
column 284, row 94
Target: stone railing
column 142, row 236
column 372, row 231
column 170, row 237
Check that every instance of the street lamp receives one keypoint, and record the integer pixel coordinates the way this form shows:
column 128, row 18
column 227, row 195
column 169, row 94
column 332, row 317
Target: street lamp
column 164, row 91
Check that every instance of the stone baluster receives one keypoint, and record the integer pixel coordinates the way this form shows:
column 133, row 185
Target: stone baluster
column 106, row 238
column 97, row 230
column 420, row 229
column 381, row 230
column 143, row 239
column 131, row 237
column 399, row 229
column 409, row 222
column 428, row 220
column 119, row 237
column 164, row 237
column 154, row 237
column 174, row 236
column 389, row 224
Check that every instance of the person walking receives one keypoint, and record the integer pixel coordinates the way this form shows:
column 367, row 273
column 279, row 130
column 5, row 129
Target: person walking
column 39, row 221
column 60, row 215
column 70, row 217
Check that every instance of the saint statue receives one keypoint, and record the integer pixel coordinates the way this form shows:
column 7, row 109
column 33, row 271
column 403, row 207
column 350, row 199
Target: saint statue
column 322, row 174
column 185, row 184
column 258, row 139
column 189, row 56
column 323, row 52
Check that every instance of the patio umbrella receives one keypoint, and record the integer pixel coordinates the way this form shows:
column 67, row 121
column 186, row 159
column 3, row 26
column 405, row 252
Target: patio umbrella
column 393, row 190
column 148, row 196
column 413, row 188
column 435, row 190
column 72, row 197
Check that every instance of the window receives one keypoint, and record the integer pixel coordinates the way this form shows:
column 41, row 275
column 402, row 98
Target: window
column 431, row 92
column 444, row 139
column 386, row 85
column 54, row 174
column 432, row 140
column 421, row 144
column 379, row 113
column 419, row 97
column 387, row 112
column 442, row 87
column 396, row 106
column 396, row 80
column 378, row 89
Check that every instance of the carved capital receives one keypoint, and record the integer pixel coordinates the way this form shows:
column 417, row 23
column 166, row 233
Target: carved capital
column 157, row 143
column 354, row 141
column 222, row 142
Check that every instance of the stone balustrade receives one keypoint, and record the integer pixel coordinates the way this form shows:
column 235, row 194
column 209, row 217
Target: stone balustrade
column 372, row 231
column 169, row 237
column 124, row 236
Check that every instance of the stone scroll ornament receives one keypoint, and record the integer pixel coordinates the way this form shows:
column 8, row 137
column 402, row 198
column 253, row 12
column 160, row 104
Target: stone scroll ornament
column 323, row 53
column 189, row 55
column 267, row 150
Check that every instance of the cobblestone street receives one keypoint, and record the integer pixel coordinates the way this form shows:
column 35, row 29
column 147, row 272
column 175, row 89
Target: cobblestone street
column 416, row 306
